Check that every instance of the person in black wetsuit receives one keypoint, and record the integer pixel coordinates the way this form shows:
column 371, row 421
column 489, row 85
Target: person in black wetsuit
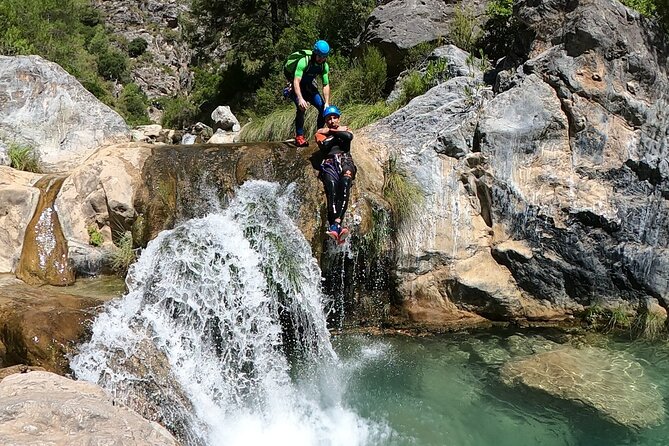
column 336, row 169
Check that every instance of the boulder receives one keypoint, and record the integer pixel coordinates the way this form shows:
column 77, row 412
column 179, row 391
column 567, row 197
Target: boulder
column 42, row 407
column 100, row 194
column 613, row 385
column 398, row 25
column 224, row 119
column 18, row 201
column 42, row 326
column 44, row 107
column 395, row 27
column 223, row 137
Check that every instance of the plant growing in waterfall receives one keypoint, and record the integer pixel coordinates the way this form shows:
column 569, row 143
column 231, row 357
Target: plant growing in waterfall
column 402, row 193
column 375, row 241
column 123, row 255
column 95, row 237
column 23, row 158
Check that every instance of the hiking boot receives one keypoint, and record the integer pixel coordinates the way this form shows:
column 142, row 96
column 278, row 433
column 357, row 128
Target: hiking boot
column 333, row 232
column 300, row 141
column 343, row 233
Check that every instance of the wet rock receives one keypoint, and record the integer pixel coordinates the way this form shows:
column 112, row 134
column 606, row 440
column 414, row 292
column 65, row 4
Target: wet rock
column 85, row 414
column 614, row 385
column 44, row 253
column 41, row 326
column 18, row 201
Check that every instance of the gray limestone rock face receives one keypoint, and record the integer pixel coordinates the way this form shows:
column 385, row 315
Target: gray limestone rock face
column 567, row 157
column 44, row 107
column 45, row 408
column 611, row 384
column 166, row 72
column 402, row 24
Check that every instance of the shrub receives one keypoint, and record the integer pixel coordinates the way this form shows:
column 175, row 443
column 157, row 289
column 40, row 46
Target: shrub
column 359, row 115
column 133, row 104
column 113, row 65
column 123, row 255
column 413, row 85
column 178, row 112
column 23, row 158
column 464, row 29
column 279, row 125
column 363, row 81
column 402, row 193
column 137, row 46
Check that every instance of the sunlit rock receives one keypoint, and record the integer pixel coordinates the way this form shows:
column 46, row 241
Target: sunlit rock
column 52, row 112
column 99, row 195
column 85, row 414
column 614, row 385
column 18, row 201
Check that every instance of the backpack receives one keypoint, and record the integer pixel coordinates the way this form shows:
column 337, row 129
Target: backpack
column 291, row 62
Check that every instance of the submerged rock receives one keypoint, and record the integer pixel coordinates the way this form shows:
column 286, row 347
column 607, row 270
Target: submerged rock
column 612, row 384
column 44, row 408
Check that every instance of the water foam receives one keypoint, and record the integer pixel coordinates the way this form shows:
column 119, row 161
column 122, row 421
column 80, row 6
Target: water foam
column 222, row 336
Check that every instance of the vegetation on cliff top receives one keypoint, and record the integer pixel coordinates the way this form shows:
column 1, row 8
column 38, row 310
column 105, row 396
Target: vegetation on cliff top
column 72, row 33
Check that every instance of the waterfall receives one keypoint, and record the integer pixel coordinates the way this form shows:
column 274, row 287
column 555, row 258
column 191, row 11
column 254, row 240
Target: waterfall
column 222, row 337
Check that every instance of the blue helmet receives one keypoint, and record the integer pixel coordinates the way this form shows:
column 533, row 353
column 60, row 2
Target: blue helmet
column 331, row 110
column 321, row 48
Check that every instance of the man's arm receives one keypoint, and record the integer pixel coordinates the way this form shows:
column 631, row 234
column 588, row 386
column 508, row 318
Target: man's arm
column 298, row 93
column 326, row 95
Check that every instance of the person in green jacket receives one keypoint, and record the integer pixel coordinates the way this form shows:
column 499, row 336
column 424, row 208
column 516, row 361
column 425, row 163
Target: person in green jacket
column 301, row 70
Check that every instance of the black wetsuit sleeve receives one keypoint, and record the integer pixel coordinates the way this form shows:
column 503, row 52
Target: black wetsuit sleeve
column 339, row 140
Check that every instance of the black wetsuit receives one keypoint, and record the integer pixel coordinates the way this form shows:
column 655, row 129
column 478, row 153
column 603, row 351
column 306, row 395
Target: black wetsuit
column 334, row 160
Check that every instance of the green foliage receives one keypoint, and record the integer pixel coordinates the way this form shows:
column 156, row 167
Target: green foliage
column 619, row 319
column 133, row 104
column 363, row 81
column 356, row 116
column 23, row 158
column 377, row 239
column 417, row 83
column 113, row 65
column 124, row 254
column 413, row 85
column 465, row 28
column 137, row 47
column 500, row 9
column 645, row 7
column 402, row 193
column 608, row 319
column 341, row 21
column 95, row 237
column 278, row 125
column 649, row 325
column 418, row 54
column 264, row 33
column 178, row 112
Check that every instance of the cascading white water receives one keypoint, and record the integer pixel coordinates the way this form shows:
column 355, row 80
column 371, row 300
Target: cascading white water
column 218, row 309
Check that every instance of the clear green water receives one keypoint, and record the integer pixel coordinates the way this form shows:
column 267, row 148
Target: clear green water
column 445, row 390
